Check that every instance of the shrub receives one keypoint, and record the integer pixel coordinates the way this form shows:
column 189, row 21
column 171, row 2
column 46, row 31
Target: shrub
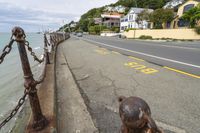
column 197, row 29
column 130, row 29
column 145, row 37
column 115, row 29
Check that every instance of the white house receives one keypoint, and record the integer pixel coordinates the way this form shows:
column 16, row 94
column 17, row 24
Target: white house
column 73, row 24
column 130, row 20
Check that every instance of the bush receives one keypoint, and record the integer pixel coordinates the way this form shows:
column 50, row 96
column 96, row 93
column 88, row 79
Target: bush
column 96, row 29
column 197, row 29
column 145, row 37
column 130, row 29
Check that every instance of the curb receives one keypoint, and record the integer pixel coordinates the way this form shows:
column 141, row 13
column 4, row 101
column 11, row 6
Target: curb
column 74, row 116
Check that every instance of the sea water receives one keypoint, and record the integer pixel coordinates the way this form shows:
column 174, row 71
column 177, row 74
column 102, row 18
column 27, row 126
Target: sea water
column 11, row 75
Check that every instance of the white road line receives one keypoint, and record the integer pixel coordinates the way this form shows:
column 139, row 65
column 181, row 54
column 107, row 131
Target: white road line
column 160, row 45
column 168, row 46
column 170, row 128
column 153, row 56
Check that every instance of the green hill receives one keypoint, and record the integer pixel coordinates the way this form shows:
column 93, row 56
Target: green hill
column 86, row 19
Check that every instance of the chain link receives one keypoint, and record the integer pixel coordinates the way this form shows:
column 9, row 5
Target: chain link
column 15, row 110
column 6, row 50
column 32, row 53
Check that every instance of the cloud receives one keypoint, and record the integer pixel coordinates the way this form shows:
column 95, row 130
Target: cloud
column 43, row 14
column 14, row 15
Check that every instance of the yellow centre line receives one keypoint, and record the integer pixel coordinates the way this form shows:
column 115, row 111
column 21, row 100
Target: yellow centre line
column 136, row 58
column 182, row 72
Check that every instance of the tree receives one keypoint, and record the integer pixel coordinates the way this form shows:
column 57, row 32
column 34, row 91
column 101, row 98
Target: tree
column 143, row 16
column 83, row 25
column 161, row 16
column 152, row 4
column 192, row 16
column 96, row 29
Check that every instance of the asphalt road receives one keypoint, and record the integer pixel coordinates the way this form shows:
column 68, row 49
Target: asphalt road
column 103, row 75
column 184, row 56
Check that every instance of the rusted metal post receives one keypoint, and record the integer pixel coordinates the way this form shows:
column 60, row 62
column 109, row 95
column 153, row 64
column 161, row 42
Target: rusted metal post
column 136, row 117
column 39, row 121
column 46, row 49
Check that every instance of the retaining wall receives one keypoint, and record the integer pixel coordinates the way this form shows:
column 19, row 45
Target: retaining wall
column 188, row 34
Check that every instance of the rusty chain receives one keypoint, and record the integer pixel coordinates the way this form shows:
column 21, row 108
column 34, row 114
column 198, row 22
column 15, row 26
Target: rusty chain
column 21, row 101
column 28, row 89
column 15, row 110
column 6, row 50
column 32, row 53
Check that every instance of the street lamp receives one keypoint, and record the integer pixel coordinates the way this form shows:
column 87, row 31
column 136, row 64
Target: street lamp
column 63, row 23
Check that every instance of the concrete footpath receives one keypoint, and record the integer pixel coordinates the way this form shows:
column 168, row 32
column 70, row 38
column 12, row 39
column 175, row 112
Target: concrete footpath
column 103, row 75
column 72, row 114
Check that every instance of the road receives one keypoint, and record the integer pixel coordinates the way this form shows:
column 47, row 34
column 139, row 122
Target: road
column 184, row 56
column 103, row 75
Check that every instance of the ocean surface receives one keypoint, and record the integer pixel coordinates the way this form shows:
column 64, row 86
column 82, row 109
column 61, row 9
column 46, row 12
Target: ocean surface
column 11, row 75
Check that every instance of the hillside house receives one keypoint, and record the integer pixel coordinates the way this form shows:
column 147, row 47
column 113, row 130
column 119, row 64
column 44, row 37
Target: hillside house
column 130, row 20
column 178, row 22
column 111, row 19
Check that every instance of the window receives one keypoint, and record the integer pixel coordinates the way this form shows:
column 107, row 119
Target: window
column 183, row 23
column 187, row 7
column 130, row 17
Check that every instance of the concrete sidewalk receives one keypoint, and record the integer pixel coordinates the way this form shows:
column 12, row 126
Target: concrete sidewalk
column 72, row 114
column 103, row 75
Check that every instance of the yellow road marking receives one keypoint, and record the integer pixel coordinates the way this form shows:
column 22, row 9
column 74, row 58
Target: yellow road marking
column 136, row 58
column 115, row 52
column 182, row 72
column 140, row 67
column 101, row 52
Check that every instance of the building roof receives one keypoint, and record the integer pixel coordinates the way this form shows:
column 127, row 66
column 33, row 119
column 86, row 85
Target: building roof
column 139, row 10
column 111, row 15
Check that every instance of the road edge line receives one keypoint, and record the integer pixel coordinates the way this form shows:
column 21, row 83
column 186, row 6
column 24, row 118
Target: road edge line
column 182, row 72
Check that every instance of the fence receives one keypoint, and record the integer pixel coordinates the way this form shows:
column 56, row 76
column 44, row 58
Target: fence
column 30, row 84
column 187, row 34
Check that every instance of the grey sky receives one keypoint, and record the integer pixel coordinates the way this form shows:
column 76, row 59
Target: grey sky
column 35, row 15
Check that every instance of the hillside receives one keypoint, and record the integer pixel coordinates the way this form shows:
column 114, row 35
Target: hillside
column 152, row 4
column 86, row 19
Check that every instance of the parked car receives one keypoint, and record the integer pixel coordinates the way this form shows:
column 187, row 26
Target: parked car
column 79, row 34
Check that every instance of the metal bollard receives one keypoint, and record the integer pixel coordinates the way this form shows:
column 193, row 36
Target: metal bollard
column 46, row 50
column 136, row 116
column 39, row 121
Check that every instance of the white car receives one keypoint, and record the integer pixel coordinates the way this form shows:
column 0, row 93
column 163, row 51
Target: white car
column 79, row 34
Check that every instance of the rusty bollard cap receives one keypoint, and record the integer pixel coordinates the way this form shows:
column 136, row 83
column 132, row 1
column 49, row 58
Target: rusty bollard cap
column 132, row 111
column 18, row 32
column 135, row 113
